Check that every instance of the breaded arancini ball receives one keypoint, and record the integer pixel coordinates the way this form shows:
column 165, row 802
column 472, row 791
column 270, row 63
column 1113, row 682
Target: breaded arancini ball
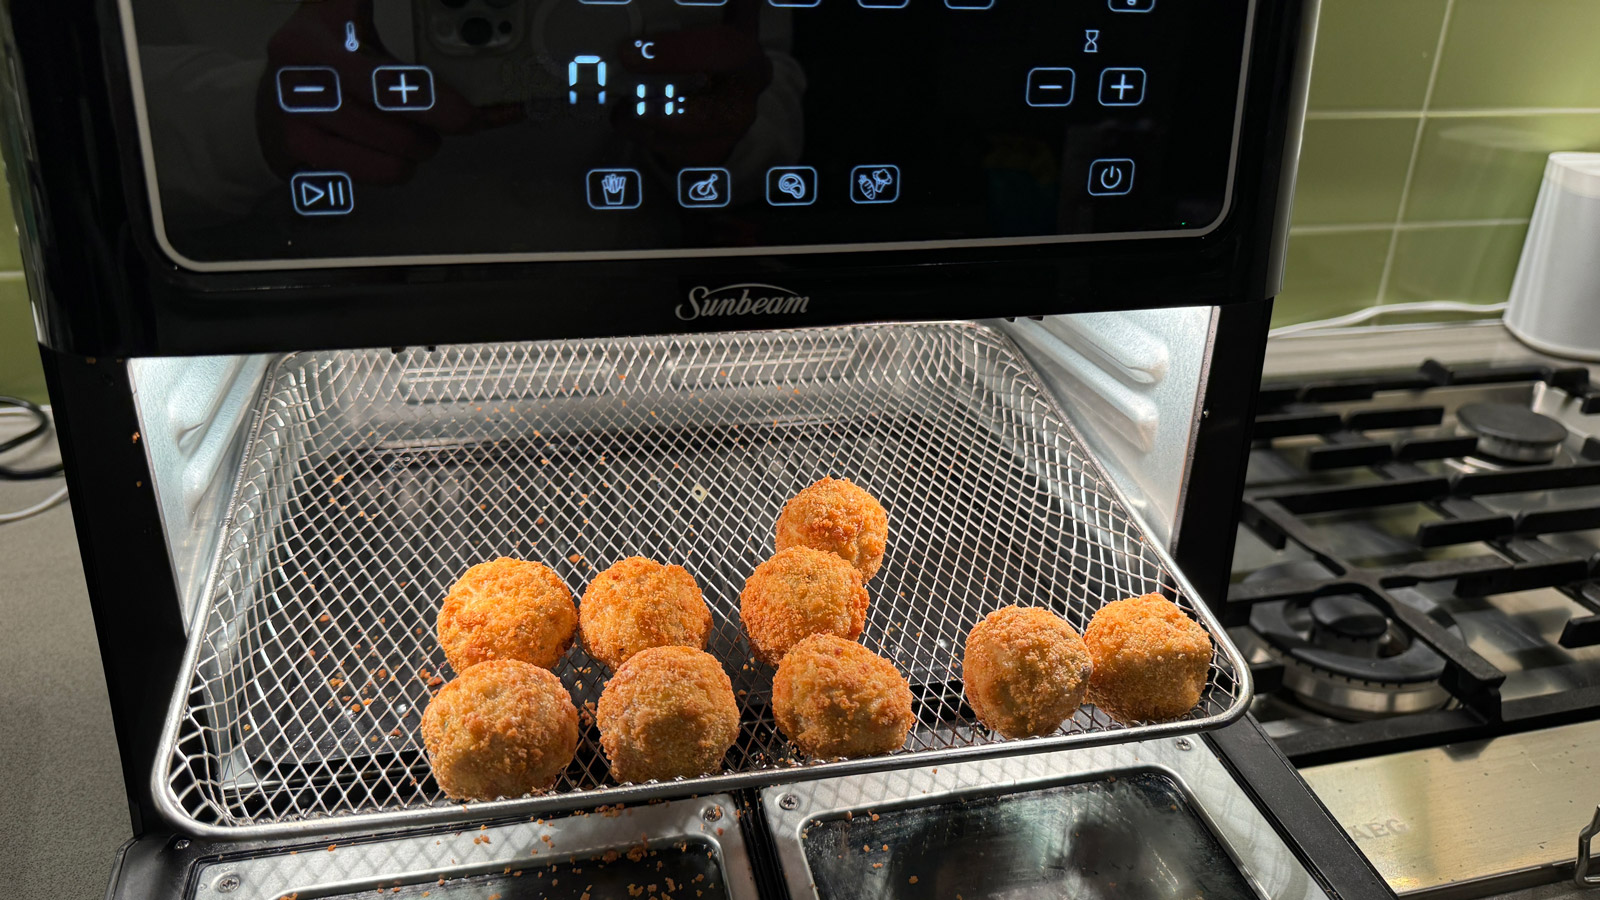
column 502, row 728
column 1150, row 659
column 637, row 604
column 669, row 711
column 1025, row 670
column 797, row 593
column 836, row 516
column 507, row 609
column 834, row 697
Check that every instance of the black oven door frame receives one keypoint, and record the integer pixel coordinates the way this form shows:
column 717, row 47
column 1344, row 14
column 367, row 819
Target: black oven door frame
column 103, row 287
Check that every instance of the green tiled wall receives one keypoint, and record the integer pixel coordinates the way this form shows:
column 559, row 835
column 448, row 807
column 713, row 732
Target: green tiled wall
column 1426, row 136
column 20, row 374
column 1425, row 140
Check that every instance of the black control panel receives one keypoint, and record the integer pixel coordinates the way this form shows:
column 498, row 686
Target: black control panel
column 364, row 132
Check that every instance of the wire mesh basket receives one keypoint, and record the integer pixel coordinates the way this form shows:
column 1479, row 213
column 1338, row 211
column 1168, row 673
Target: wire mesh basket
column 372, row 479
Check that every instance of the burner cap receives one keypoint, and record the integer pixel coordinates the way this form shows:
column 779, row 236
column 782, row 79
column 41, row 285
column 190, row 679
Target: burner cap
column 1512, row 432
column 1343, row 634
column 1348, row 617
column 1342, row 655
column 1392, row 657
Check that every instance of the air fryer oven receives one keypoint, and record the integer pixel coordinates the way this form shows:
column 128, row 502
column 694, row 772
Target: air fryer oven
column 338, row 298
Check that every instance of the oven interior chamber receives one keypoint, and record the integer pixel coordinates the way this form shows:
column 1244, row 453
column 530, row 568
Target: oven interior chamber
column 319, row 505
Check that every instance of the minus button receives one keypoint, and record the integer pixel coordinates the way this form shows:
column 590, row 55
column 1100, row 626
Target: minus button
column 1050, row 87
column 308, row 89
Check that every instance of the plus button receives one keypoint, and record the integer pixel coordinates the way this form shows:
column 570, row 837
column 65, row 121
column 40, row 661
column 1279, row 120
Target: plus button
column 402, row 88
column 1122, row 87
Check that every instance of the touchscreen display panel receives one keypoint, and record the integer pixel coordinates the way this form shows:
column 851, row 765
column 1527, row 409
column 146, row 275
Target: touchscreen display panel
column 366, row 131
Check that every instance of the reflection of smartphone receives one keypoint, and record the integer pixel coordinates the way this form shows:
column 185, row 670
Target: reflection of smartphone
column 479, row 47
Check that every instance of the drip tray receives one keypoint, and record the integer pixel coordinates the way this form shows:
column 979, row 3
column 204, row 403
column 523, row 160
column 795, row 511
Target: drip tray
column 1152, row 820
column 1130, row 835
column 373, row 479
column 684, row 849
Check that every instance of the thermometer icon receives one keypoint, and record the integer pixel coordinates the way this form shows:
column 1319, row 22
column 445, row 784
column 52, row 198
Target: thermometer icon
column 351, row 42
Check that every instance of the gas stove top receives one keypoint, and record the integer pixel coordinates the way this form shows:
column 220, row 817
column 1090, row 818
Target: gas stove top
column 1417, row 557
column 1417, row 589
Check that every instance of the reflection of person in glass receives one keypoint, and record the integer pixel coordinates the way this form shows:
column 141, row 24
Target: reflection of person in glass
column 732, row 70
column 357, row 138
column 503, row 149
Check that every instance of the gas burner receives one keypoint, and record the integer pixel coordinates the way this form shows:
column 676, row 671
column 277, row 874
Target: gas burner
column 1511, row 434
column 1343, row 656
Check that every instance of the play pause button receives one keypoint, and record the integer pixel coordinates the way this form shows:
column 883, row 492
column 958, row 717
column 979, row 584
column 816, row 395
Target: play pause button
column 322, row 193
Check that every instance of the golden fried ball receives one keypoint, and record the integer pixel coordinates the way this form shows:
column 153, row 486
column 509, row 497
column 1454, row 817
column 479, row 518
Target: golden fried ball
column 502, row 728
column 1025, row 671
column 834, row 697
column 668, row 712
column 637, row 604
column 836, row 516
column 1150, row 659
column 507, row 609
column 797, row 593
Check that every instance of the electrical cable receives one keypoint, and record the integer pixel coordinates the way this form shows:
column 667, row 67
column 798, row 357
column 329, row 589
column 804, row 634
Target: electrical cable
column 1373, row 312
column 35, row 509
column 40, row 427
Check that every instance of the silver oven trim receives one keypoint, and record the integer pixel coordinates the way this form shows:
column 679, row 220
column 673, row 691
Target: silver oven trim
column 1261, row 855
column 152, row 187
column 363, row 865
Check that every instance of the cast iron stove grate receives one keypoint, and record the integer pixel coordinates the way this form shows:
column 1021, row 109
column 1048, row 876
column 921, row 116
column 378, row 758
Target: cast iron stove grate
column 1317, row 614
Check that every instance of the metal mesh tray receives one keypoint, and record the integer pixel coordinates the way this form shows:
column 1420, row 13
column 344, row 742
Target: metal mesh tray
column 372, row 479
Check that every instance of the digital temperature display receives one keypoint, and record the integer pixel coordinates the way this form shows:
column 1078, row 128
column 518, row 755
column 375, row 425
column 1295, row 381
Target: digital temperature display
column 359, row 132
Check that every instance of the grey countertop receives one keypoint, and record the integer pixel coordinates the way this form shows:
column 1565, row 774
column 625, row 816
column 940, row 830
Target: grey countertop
column 63, row 812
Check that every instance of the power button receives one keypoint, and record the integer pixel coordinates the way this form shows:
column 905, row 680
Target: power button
column 1110, row 177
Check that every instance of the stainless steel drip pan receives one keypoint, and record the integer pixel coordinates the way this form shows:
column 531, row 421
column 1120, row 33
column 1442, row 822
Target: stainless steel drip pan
column 373, row 479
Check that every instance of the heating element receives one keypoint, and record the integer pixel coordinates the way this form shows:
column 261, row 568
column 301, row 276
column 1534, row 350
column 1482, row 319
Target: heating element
column 374, row 478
